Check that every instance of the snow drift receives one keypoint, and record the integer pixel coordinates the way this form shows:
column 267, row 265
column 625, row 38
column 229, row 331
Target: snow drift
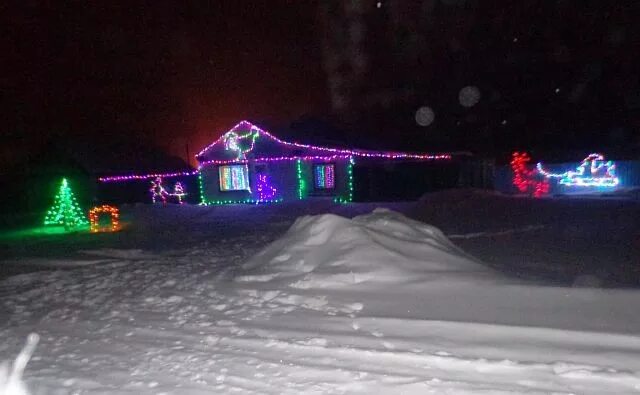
column 382, row 247
column 379, row 304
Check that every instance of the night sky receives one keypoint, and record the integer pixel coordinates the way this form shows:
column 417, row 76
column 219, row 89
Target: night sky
column 161, row 72
column 553, row 74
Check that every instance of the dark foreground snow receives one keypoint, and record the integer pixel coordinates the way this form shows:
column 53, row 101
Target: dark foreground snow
column 195, row 300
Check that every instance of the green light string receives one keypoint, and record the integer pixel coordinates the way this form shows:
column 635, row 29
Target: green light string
column 349, row 197
column 201, row 188
column 241, row 201
column 65, row 210
column 301, row 183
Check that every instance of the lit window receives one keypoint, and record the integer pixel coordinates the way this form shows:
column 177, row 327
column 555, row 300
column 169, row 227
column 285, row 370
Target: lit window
column 234, row 178
column 324, row 176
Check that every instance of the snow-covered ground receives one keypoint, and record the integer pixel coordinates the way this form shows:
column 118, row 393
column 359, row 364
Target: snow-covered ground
column 201, row 300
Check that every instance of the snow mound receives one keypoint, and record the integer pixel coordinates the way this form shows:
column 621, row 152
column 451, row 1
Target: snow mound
column 381, row 247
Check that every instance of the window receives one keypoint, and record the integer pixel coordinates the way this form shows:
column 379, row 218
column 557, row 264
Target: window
column 234, row 178
column 324, row 176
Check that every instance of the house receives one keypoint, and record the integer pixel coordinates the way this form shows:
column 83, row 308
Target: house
column 250, row 165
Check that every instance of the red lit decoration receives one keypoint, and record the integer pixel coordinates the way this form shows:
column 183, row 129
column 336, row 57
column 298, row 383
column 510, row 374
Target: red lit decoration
column 524, row 178
column 94, row 215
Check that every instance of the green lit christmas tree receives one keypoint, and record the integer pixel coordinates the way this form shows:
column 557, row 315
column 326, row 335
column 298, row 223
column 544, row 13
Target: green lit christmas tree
column 65, row 210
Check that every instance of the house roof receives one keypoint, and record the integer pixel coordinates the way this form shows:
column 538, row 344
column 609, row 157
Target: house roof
column 246, row 140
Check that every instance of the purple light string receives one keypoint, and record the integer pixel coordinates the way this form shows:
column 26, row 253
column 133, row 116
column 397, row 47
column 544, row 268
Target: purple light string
column 372, row 154
column 272, row 159
column 146, row 176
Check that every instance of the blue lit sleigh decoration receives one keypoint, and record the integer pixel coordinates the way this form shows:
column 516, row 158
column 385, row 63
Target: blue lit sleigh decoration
column 594, row 171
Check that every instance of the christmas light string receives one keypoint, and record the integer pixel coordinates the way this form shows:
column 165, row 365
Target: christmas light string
column 178, row 192
column 302, row 186
column 524, row 179
column 273, row 159
column 158, row 191
column 94, row 215
column 371, row 154
column 146, row 176
column 232, row 143
column 596, row 165
column 65, row 210
column 349, row 197
column 230, row 139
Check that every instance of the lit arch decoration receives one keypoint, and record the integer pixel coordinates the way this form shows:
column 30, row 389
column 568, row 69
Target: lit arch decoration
column 94, row 215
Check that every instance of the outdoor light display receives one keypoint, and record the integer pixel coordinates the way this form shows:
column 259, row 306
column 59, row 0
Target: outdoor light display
column 234, row 178
column 201, row 190
column 276, row 159
column 324, row 176
column 94, row 216
column 146, row 176
column 65, row 210
column 236, row 142
column 236, row 151
column 265, row 191
column 524, row 179
column 349, row 197
column 158, row 191
column 592, row 172
column 228, row 139
column 178, row 192
column 239, row 201
column 302, row 185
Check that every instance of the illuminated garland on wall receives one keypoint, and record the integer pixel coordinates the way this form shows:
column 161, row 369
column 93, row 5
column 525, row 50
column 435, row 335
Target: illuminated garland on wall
column 94, row 215
column 274, row 159
column 239, row 201
column 65, row 210
column 524, row 179
column 302, row 186
column 349, row 197
column 201, row 189
column 599, row 174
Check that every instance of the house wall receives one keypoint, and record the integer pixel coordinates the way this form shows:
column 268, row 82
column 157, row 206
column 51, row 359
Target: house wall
column 377, row 180
column 210, row 188
column 292, row 179
column 342, row 182
column 282, row 176
column 137, row 191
